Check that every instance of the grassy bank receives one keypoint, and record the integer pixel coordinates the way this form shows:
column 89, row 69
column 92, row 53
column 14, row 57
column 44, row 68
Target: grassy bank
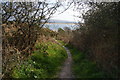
column 43, row 63
column 82, row 67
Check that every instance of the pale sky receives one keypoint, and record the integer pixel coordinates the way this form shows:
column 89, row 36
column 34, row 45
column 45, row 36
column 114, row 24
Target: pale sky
column 69, row 14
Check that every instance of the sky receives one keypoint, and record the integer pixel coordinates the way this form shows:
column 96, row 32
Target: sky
column 70, row 13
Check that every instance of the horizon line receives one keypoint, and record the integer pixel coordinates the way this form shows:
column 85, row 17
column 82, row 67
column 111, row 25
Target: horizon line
column 59, row 23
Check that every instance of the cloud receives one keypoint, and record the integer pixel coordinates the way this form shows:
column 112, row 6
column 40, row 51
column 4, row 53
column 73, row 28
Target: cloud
column 70, row 14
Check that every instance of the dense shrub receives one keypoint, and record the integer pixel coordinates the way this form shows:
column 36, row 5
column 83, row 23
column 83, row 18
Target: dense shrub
column 98, row 37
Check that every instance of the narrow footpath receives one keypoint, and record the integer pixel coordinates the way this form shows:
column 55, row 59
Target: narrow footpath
column 66, row 68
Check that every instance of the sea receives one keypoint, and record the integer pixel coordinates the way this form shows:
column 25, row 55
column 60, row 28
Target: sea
column 56, row 26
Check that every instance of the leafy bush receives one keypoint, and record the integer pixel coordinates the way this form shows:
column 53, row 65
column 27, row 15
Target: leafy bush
column 98, row 36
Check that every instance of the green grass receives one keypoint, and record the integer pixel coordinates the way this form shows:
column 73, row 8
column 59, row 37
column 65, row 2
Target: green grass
column 82, row 67
column 62, row 43
column 43, row 63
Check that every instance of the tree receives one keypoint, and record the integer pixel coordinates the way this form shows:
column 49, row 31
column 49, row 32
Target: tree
column 33, row 14
column 27, row 18
column 98, row 37
column 67, row 29
column 60, row 30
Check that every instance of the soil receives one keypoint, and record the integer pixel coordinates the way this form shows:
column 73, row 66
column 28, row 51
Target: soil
column 66, row 68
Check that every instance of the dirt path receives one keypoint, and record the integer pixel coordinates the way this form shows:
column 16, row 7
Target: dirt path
column 66, row 68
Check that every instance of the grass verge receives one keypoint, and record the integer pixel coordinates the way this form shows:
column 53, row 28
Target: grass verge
column 43, row 63
column 82, row 67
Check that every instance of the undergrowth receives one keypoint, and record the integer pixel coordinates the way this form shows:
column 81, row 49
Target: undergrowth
column 82, row 67
column 43, row 63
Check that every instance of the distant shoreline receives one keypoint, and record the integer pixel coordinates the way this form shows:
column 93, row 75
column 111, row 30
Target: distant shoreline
column 61, row 23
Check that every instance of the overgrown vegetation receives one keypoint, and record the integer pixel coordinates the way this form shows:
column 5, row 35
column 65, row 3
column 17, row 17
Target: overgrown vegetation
column 97, row 37
column 21, row 25
column 82, row 67
column 43, row 63
column 16, row 44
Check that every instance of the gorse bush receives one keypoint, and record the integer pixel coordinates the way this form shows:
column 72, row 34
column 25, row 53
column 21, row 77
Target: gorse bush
column 43, row 63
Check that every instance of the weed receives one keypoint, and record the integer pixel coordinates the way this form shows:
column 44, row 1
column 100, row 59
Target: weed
column 82, row 67
column 43, row 63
